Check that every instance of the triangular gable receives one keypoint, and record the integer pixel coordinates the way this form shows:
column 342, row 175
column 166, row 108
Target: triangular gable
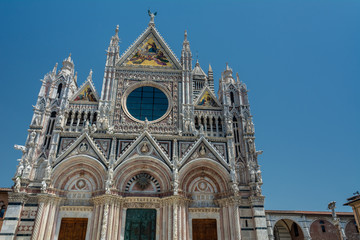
column 203, row 149
column 84, row 145
column 144, row 145
column 149, row 50
column 86, row 94
column 207, row 99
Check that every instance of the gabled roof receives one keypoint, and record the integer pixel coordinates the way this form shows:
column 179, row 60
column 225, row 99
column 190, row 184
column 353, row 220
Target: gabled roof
column 198, row 72
column 144, row 137
column 207, row 99
column 91, row 150
column 149, row 51
column 216, row 156
column 86, row 94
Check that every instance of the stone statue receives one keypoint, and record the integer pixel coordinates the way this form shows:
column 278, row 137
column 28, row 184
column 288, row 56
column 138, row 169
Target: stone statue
column 60, row 121
column 176, row 178
column 86, row 126
column 257, row 190
column 20, row 169
column 48, row 171
column 32, row 139
column 93, row 128
column 146, row 124
column 233, row 175
column 27, row 169
column 144, row 148
column 152, row 16
column 108, row 186
column 17, row 186
column 258, row 176
column 36, row 121
column 251, row 146
column 201, row 130
column 43, row 186
column 235, row 188
column 249, row 126
column 202, row 151
column 252, row 175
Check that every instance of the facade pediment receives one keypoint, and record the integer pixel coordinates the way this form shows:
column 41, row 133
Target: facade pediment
column 84, row 145
column 207, row 100
column 149, row 51
column 144, row 145
column 203, row 149
column 86, row 94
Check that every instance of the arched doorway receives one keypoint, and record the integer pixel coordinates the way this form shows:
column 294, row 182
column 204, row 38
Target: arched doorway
column 286, row 229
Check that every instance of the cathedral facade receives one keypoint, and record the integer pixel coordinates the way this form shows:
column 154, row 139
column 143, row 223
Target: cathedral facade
column 155, row 155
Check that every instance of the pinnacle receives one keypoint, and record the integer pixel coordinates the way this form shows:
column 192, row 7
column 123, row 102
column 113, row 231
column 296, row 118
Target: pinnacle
column 210, row 68
column 90, row 75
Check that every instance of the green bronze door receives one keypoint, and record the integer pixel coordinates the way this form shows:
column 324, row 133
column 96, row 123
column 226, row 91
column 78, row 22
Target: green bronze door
column 140, row 224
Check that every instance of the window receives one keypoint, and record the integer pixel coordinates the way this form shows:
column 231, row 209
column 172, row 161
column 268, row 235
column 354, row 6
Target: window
column 147, row 102
column 49, row 130
column 232, row 97
column 58, row 94
column 2, row 211
column 322, row 223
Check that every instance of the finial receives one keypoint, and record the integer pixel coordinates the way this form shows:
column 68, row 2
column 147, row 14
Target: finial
column 152, row 17
column 117, row 30
column 54, row 69
column 69, row 58
column 197, row 62
column 185, row 36
column 210, row 68
column 237, row 77
column 90, row 75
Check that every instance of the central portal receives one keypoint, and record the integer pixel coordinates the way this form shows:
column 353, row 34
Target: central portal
column 140, row 224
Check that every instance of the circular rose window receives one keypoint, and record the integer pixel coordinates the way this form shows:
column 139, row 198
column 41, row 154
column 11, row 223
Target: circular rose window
column 147, row 102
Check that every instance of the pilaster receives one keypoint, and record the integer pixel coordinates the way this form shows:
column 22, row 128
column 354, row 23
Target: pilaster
column 13, row 213
column 258, row 211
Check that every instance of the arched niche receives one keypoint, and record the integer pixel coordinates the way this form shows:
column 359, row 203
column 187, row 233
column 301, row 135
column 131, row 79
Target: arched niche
column 203, row 181
column 129, row 174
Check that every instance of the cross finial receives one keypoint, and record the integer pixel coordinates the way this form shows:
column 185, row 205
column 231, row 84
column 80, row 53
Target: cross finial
column 152, row 17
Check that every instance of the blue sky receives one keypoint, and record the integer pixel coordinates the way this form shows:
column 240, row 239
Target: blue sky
column 299, row 59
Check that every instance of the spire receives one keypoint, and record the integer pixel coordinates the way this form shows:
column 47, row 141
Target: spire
column 115, row 39
column 117, row 30
column 210, row 68
column 68, row 65
column 54, row 69
column 228, row 74
column 186, row 45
